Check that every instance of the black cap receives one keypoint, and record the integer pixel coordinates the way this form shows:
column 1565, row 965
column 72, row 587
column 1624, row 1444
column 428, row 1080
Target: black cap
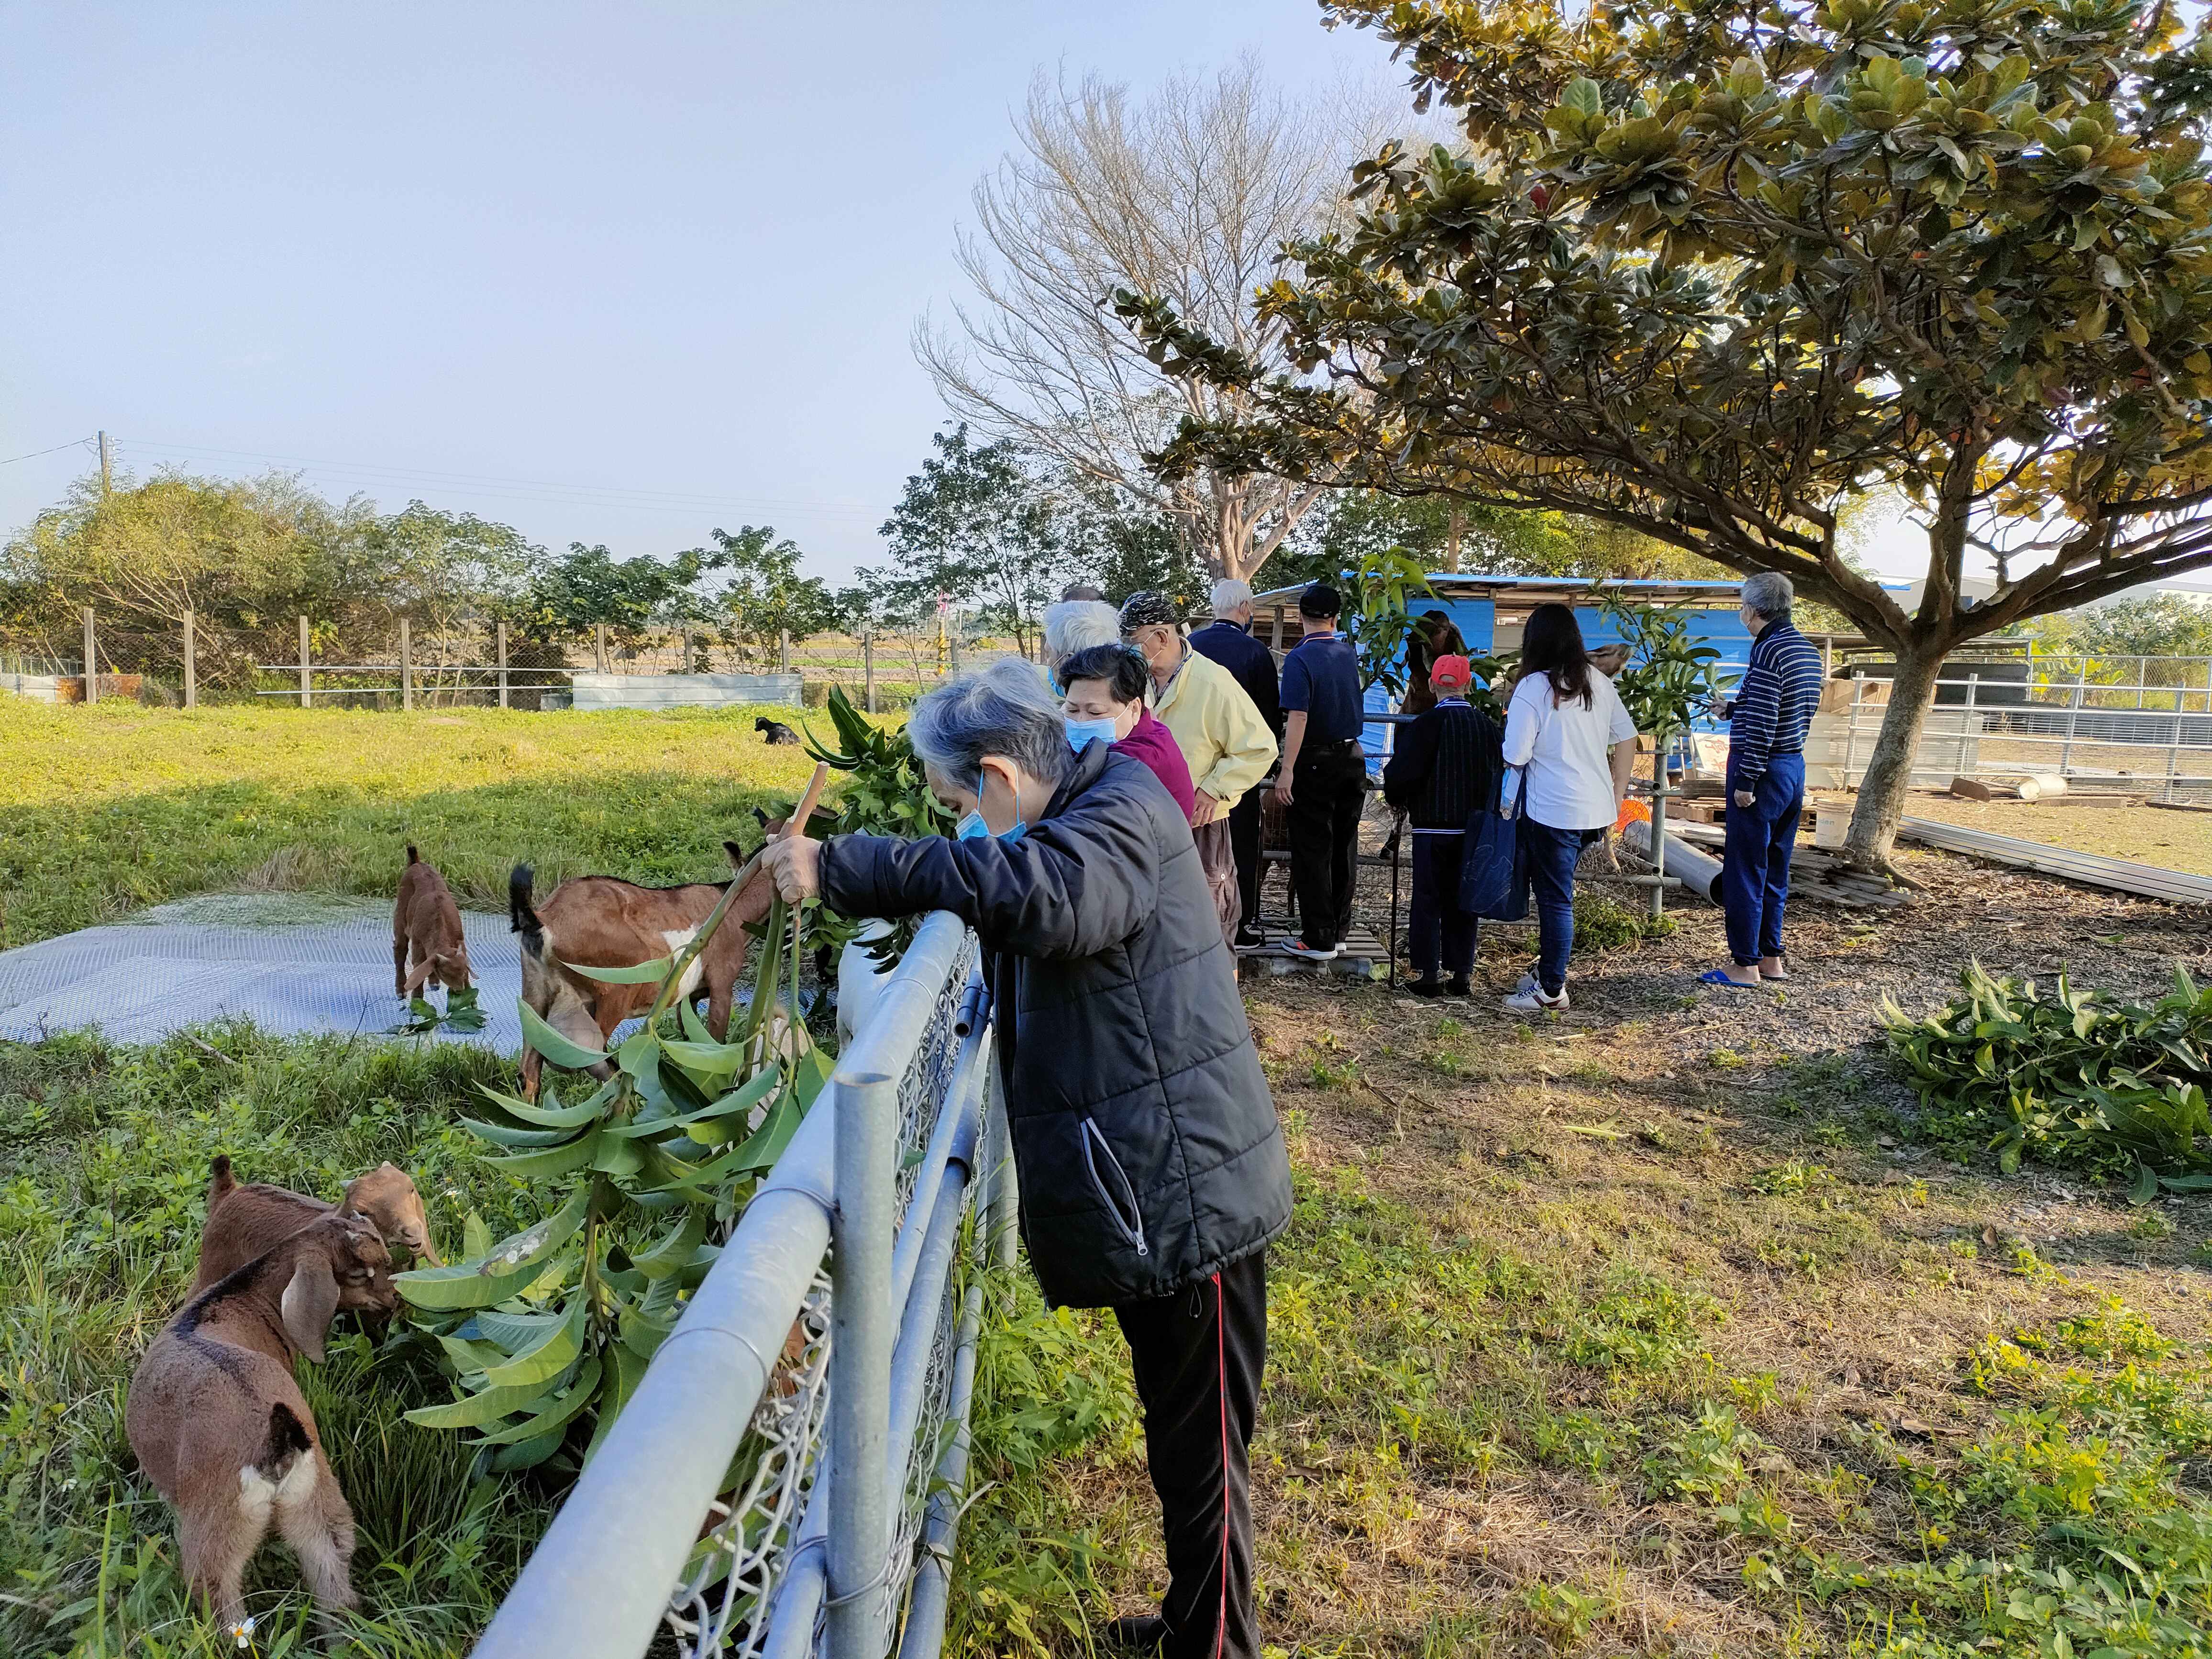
column 1320, row 600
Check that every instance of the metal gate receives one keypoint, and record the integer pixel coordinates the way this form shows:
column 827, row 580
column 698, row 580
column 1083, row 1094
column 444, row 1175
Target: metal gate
column 787, row 1479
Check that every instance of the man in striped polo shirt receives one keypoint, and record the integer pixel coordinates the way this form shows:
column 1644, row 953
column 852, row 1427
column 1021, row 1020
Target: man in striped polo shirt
column 1765, row 782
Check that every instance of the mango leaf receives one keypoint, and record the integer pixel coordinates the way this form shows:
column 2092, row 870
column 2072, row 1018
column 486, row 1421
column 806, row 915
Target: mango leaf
column 557, row 1415
column 476, row 1236
column 500, row 1134
column 625, row 1370
column 496, row 1273
column 547, row 1117
column 550, row 1356
column 674, row 1251
column 488, row 1405
column 645, row 973
column 553, row 1161
column 512, row 1460
column 571, row 1056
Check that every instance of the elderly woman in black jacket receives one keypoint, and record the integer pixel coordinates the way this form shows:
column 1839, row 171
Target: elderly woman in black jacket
column 1151, row 1164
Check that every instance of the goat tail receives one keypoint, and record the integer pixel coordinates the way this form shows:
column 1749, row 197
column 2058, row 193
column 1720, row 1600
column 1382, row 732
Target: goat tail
column 288, row 1440
column 413, row 857
column 220, row 1180
column 521, row 913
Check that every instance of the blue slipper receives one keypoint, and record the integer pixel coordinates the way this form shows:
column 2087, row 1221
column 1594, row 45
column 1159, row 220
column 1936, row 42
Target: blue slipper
column 1719, row 976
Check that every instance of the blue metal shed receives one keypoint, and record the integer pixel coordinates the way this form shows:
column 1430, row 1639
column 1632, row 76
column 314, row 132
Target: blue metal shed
column 1491, row 610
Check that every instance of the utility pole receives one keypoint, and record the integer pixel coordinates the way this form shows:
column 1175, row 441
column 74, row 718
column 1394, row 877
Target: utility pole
column 106, row 466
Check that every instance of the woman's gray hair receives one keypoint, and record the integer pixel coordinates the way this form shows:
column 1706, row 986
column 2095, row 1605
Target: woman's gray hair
column 1768, row 592
column 1230, row 594
column 1076, row 625
column 1003, row 709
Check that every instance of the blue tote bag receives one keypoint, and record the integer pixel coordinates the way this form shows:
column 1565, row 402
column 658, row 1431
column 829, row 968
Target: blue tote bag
column 1493, row 875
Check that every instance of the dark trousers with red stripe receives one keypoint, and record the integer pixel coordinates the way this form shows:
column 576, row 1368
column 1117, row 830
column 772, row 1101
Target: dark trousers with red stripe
column 1197, row 1355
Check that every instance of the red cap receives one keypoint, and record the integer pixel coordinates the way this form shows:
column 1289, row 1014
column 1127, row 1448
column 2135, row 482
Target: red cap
column 1451, row 674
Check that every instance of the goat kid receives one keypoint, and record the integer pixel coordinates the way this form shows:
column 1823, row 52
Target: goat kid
column 601, row 921
column 245, row 1220
column 426, row 925
column 220, row 1426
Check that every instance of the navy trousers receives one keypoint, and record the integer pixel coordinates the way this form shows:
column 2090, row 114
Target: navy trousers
column 1755, row 858
column 1436, row 918
column 1552, row 855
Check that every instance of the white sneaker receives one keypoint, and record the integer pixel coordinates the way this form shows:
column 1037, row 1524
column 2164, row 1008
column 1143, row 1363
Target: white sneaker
column 1299, row 947
column 1531, row 1000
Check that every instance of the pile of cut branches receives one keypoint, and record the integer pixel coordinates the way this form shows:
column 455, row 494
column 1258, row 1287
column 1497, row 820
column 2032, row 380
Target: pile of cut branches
column 2069, row 1078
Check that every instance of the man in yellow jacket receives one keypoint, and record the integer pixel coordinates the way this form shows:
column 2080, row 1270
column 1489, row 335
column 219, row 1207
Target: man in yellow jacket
column 1224, row 737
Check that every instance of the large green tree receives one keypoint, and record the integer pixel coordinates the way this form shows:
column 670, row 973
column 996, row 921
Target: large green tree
column 1709, row 271
column 765, row 597
column 978, row 525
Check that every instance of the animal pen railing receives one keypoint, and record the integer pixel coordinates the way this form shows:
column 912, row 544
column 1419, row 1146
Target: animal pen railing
column 758, row 1507
column 2134, row 724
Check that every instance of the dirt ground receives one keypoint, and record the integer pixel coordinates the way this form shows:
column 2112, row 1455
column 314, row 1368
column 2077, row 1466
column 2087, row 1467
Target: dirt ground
column 1447, row 1462
column 2144, row 834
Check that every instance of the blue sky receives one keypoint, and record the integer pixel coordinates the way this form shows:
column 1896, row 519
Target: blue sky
column 542, row 251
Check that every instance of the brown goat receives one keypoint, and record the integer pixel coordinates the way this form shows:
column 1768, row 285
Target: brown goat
column 244, row 1220
column 219, row 1424
column 426, row 923
column 600, row 921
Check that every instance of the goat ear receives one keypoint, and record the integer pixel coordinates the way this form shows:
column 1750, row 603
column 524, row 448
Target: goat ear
column 418, row 973
column 310, row 1302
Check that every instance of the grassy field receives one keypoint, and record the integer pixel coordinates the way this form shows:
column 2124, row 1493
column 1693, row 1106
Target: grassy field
column 1658, row 1329
column 103, row 809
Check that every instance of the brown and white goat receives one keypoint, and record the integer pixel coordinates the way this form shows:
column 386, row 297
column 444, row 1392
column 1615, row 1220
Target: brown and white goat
column 219, row 1424
column 426, row 925
column 601, row 921
column 245, row 1219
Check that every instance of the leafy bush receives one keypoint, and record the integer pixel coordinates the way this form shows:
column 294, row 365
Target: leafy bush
column 2116, row 1089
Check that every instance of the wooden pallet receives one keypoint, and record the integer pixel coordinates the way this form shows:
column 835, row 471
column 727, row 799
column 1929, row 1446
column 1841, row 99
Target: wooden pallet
column 1359, row 955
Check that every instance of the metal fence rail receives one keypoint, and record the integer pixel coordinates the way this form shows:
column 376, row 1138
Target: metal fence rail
column 2139, row 735
column 760, row 1497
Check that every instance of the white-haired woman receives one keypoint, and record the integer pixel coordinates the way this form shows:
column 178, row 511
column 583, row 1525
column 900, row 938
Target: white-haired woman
column 1074, row 625
column 1152, row 1166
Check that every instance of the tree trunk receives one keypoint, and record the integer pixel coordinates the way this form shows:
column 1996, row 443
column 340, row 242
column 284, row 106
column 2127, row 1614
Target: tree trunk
column 1889, row 769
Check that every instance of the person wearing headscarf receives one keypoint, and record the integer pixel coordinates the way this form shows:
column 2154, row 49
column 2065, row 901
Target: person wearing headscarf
column 1224, row 737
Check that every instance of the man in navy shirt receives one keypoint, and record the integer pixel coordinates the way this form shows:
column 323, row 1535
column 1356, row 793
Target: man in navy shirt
column 1227, row 641
column 1779, row 696
column 1323, row 783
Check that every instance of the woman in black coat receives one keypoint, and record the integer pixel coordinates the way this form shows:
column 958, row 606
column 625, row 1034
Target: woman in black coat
column 1151, row 1167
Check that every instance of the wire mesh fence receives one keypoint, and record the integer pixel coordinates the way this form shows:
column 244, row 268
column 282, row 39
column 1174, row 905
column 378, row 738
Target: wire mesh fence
column 403, row 661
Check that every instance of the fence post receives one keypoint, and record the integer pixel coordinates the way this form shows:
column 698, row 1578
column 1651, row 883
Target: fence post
column 1966, row 723
column 91, row 657
column 868, row 662
column 2143, row 674
column 955, row 637
column 1659, row 793
column 406, row 667
column 2173, row 755
column 306, row 674
column 599, row 646
column 502, row 662
column 783, row 650
column 859, row 1363
column 191, row 666
column 1851, row 731
column 2073, row 715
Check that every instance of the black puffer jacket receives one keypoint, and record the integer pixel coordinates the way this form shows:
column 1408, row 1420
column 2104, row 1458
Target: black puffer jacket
column 1144, row 1139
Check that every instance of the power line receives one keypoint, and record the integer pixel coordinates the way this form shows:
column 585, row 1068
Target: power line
column 72, row 444
column 535, row 489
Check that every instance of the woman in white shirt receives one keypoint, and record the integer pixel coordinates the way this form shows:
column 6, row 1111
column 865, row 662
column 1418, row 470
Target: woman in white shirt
column 1572, row 745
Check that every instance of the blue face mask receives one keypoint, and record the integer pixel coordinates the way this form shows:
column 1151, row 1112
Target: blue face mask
column 1080, row 733
column 971, row 826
